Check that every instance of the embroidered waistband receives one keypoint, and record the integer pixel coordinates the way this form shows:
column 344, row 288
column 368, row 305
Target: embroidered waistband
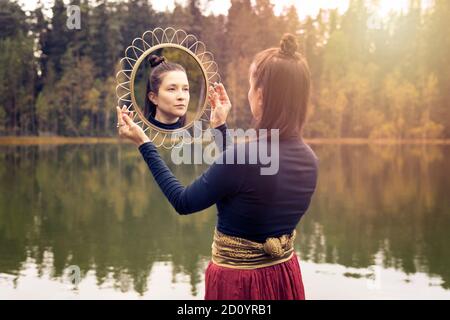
column 234, row 252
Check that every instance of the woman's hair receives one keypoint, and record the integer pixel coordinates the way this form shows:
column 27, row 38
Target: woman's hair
column 284, row 77
column 159, row 66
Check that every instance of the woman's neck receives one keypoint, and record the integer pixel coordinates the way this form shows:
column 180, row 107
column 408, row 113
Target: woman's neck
column 166, row 119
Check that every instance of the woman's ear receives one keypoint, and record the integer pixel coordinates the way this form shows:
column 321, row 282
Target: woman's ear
column 153, row 98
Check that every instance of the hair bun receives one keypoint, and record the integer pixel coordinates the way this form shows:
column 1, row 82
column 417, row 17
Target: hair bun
column 288, row 44
column 156, row 60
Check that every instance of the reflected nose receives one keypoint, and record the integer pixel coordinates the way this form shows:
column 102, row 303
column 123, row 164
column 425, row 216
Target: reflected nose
column 182, row 96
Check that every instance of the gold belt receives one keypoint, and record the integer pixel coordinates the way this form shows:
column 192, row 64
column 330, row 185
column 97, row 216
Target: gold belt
column 239, row 253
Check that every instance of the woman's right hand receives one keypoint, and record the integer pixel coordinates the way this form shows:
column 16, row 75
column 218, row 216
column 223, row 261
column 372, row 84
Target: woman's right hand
column 128, row 129
column 220, row 105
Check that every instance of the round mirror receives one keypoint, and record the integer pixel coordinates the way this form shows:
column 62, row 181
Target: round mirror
column 164, row 79
column 169, row 88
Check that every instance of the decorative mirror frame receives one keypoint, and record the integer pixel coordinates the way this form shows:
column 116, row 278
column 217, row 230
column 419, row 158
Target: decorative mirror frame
column 139, row 49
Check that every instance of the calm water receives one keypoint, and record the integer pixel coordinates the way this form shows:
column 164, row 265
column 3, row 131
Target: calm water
column 378, row 226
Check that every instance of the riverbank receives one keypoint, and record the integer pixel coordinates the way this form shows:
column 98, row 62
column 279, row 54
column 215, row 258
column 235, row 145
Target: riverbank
column 32, row 140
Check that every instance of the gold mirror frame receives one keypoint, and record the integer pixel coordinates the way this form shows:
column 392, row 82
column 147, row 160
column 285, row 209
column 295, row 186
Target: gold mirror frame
column 140, row 48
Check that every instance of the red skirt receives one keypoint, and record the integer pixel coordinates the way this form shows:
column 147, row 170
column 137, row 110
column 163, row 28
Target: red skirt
column 279, row 282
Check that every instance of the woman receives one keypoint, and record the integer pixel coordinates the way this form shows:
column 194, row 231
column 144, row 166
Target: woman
column 167, row 94
column 252, row 252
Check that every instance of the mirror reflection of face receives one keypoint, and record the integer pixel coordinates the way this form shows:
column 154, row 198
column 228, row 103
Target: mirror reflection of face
column 169, row 94
column 173, row 97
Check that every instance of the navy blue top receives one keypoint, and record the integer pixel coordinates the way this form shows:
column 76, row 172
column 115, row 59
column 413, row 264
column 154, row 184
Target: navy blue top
column 167, row 126
column 250, row 205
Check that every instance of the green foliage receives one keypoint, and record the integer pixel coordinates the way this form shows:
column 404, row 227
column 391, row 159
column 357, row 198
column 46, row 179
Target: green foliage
column 17, row 83
column 388, row 79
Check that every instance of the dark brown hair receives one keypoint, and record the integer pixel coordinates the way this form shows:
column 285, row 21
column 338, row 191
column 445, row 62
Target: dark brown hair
column 159, row 66
column 284, row 77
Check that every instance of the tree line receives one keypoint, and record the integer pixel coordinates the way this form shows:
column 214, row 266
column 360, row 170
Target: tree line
column 372, row 77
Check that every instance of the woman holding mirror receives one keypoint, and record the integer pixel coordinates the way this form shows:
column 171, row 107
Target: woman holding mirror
column 253, row 255
column 167, row 94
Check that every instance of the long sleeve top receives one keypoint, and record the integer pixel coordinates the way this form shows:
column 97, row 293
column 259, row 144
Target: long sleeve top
column 171, row 126
column 250, row 205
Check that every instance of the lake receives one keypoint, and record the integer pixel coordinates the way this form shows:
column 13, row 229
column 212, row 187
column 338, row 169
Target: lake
column 88, row 222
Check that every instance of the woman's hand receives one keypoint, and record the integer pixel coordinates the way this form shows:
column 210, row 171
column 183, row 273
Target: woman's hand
column 128, row 129
column 220, row 105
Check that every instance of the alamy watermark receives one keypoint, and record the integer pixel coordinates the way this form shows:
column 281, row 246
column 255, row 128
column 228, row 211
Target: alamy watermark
column 74, row 274
column 253, row 147
column 73, row 21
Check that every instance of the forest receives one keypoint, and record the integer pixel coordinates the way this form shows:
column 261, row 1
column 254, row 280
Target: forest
column 373, row 78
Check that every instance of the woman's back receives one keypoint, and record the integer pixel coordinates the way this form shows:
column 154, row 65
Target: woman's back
column 262, row 206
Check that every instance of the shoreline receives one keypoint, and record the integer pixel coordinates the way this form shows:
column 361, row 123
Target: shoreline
column 363, row 141
column 33, row 140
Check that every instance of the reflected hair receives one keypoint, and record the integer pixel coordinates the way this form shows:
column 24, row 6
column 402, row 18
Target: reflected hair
column 284, row 77
column 159, row 67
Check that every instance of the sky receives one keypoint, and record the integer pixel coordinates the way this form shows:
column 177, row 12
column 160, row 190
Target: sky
column 304, row 7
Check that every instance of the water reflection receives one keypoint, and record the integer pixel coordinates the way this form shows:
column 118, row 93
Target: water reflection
column 97, row 207
column 391, row 200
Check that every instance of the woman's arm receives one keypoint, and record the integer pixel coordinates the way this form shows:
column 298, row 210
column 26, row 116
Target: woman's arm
column 225, row 139
column 217, row 182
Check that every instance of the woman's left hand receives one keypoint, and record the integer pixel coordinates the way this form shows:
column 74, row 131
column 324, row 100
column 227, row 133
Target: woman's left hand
column 220, row 105
column 128, row 129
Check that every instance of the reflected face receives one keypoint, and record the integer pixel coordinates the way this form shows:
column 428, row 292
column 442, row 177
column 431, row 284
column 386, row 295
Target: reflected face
column 254, row 96
column 173, row 97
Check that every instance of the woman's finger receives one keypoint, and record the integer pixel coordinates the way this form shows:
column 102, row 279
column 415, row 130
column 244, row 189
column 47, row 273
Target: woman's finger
column 211, row 98
column 221, row 89
column 119, row 115
column 127, row 120
column 223, row 93
column 211, row 102
column 216, row 99
column 211, row 91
